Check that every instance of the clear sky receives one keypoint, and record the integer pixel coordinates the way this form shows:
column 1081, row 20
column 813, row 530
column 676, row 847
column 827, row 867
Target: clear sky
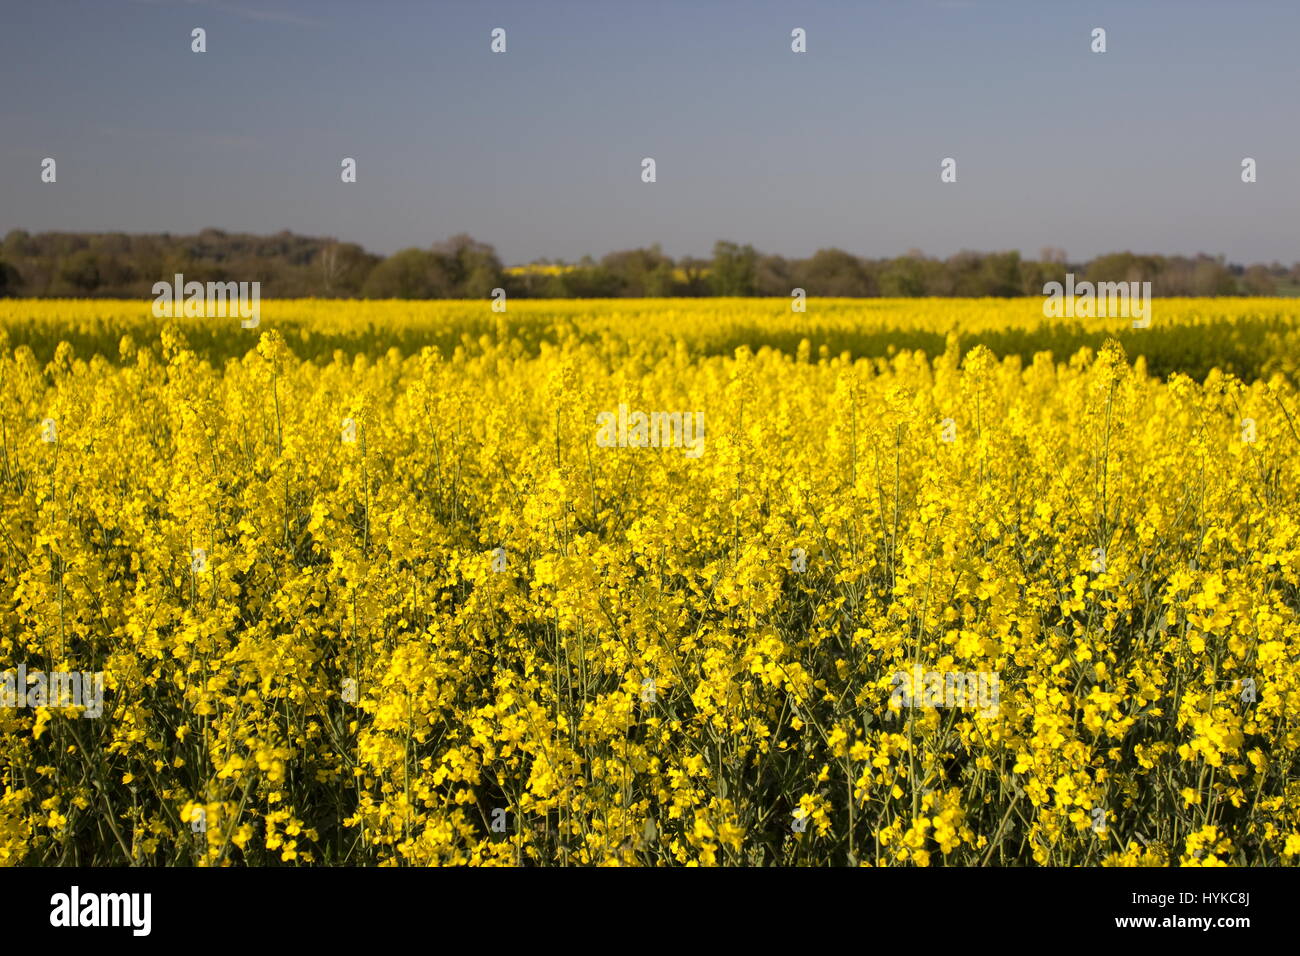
column 538, row 150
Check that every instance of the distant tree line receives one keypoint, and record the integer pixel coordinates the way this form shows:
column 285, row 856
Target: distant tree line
column 73, row 264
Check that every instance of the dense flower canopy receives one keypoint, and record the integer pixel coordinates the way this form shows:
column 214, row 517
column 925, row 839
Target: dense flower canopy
column 436, row 622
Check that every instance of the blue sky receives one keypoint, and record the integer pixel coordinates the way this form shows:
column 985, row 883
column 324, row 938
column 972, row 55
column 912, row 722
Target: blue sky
column 538, row 150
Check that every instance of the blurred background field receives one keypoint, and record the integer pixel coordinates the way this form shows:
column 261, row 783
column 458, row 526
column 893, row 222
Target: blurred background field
column 1247, row 337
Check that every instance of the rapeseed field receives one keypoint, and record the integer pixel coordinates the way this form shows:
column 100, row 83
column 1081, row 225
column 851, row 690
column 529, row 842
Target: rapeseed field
column 651, row 582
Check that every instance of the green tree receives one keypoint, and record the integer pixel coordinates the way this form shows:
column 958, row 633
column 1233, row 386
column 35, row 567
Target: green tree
column 908, row 276
column 734, row 270
column 344, row 267
column 10, row 279
column 470, row 268
column 640, row 272
column 1000, row 274
column 81, row 271
column 834, row 272
column 408, row 274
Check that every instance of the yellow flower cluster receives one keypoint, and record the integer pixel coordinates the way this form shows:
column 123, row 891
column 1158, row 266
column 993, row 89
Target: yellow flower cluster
column 365, row 588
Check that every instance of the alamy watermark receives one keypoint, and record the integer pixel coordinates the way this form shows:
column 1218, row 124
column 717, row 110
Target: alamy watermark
column 75, row 908
column 654, row 430
column 33, row 689
column 215, row 300
column 975, row 690
column 1101, row 301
